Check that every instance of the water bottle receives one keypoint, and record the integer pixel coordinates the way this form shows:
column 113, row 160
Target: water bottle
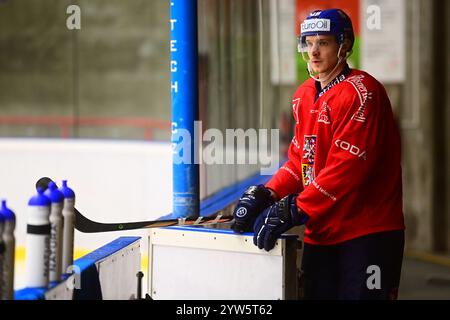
column 2, row 255
column 37, row 241
column 68, row 213
column 56, row 232
column 9, row 242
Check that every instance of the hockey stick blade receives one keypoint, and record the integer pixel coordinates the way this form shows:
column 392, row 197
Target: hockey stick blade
column 85, row 225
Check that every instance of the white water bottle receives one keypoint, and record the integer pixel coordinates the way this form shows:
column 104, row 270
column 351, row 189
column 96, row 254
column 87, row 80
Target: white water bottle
column 9, row 243
column 38, row 241
column 68, row 213
column 56, row 232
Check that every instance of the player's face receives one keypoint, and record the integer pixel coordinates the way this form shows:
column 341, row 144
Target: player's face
column 322, row 51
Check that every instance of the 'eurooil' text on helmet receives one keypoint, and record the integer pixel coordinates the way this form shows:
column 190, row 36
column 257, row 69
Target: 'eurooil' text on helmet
column 331, row 21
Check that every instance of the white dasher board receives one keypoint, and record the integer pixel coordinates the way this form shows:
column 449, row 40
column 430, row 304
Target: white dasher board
column 200, row 263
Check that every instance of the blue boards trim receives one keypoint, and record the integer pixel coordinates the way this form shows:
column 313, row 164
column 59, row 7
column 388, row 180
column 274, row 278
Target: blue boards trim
column 30, row 294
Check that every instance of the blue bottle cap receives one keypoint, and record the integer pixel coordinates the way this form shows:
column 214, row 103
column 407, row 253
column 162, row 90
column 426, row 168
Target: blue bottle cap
column 66, row 191
column 7, row 213
column 53, row 193
column 39, row 200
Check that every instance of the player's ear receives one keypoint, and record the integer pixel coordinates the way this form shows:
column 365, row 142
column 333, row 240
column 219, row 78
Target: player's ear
column 346, row 47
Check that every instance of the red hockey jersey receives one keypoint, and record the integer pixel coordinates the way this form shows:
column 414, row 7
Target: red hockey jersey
column 344, row 160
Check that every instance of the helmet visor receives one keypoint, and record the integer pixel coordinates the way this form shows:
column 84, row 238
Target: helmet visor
column 309, row 44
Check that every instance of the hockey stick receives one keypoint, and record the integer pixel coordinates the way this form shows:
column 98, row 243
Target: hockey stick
column 86, row 225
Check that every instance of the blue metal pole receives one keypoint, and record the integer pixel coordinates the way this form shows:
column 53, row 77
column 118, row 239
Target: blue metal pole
column 184, row 90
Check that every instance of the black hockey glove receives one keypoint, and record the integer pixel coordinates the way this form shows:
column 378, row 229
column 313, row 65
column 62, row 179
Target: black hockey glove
column 276, row 220
column 254, row 200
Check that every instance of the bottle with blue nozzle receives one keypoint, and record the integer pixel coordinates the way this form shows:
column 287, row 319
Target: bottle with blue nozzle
column 9, row 243
column 38, row 241
column 68, row 213
column 56, row 233
column 2, row 254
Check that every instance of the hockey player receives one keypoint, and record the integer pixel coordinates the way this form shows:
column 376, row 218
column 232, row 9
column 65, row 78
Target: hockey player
column 343, row 177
